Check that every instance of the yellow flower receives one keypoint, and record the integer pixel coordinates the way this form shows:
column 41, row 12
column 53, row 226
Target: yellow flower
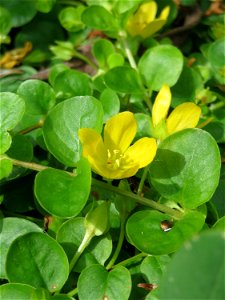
column 144, row 21
column 114, row 158
column 185, row 115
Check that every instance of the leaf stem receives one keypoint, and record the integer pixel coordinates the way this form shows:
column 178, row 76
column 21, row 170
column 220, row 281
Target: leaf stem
column 148, row 202
column 127, row 50
column 119, row 245
column 85, row 242
column 131, row 259
column 39, row 124
column 141, row 184
column 145, row 201
column 85, row 59
column 73, row 292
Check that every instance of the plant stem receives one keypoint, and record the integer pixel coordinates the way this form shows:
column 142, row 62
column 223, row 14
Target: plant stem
column 148, row 202
column 119, row 245
column 141, row 184
column 131, row 260
column 35, row 126
column 73, row 292
column 86, row 240
column 127, row 50
column 85, row 59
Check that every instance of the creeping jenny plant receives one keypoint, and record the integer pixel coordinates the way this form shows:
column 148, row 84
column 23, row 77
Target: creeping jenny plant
column 88, row 105
column 114, row 158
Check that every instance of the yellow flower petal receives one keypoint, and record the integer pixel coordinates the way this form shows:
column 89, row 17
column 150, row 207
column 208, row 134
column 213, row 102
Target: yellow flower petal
column 119, row 131
column 146, row 12
column 144, row 15
column 142, row 152
column 165, row 13
column 185, row 115
column 161, row 105
column 152, row 28
column 93, row 146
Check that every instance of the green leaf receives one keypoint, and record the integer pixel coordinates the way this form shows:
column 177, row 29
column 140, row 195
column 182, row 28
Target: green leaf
column 70, row 18
column 186, row 167
column 44, row 6
column 98, row 17
column 38, row 95
column 110, row 103
column 21, row 11
column 97, row 219
column 40, row 260
column 220, row 224
column 153, row 267
column 161, row 65
column 71, row 83
column 11, row 228
column 101, row 50
column 6, row 167
column 185, row 88
column 197, row 270
column 21, row 149
column 55, row 71
column 123, row 79
column 5, row 21
column 115, row 60
column 113, row 285
column 146, row 232
column 216, row 58
column 70, row 236
column 5, row 141
column 62, row 194
column 18, row 291
column 12, row 108
column 63, row 122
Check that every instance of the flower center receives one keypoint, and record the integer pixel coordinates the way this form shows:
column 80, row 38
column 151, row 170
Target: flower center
column 115, row 159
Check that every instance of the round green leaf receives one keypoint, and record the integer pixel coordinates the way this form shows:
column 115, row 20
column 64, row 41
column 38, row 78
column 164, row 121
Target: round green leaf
column 38, row 260
column 71, row 83
column 101, row 50
column 98, row 17
column 184, row 89
column 220, row 224
column 21, row 11
column 186, row 168
column 6, row 167
column 62, row 194
column 110, row 103
column 12, row 108
column 216, row 56
column 5, row 21
column 152, row 267
column 11, row 228
column 113, row 285
column 70, row 18
column 38, row 95
column 44, row 6
column 145, row 231
column 115, row 60
column 161, row 65
column 197, row 270
column 5, row 141
column 63, row 122
column 55, row 71
column 70, row 236
column 18, row 291
column 123, row 79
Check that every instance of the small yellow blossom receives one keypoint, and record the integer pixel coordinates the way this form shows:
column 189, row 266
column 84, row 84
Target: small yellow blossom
column 144, row 22
column 185, row 115
column 113, row 157
column 15, row 56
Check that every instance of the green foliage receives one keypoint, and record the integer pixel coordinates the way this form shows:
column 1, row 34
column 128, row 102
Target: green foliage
column 66, row 233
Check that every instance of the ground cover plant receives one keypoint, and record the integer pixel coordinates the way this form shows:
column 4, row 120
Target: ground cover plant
column 112, row 135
